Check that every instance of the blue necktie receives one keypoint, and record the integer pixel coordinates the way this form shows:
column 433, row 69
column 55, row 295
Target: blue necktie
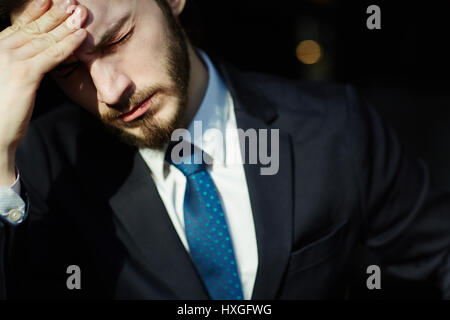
column 206, row 229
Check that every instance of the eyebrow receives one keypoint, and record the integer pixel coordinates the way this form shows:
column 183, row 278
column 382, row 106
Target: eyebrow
column 110, row 33
column 106, row 37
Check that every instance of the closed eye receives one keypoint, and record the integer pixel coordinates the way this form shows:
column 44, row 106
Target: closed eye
column 120, row 41
column 66, row 70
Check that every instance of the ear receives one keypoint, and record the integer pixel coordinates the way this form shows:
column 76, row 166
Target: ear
column 177, row 6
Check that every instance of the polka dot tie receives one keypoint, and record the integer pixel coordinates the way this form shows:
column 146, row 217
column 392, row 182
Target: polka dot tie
column 207, row 232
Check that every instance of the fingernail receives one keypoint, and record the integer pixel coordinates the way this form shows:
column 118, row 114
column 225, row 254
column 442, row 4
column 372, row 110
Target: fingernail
column 74, row 22
column 71, row 9
column 63, row 5
column 40, row 3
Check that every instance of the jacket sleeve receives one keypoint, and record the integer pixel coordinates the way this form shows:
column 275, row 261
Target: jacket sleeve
column 405, row 217
column 15, row 235
column 13, row 213
column 2, row 262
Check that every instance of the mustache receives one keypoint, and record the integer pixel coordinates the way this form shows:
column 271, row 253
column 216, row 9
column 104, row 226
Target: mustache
column 129, row 103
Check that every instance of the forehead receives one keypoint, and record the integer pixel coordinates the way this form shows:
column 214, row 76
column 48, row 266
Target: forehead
column 104, row 14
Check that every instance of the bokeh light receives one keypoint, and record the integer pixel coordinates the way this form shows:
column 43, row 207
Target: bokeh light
column 309, row 52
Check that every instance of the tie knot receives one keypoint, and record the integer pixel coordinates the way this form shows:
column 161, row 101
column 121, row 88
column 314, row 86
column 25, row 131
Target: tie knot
column 185, row 156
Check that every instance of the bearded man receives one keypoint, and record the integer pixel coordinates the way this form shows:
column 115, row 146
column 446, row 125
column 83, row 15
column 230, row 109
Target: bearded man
column 92, row 186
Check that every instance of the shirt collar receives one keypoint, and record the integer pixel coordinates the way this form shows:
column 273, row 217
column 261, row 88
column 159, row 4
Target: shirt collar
column 208, row 127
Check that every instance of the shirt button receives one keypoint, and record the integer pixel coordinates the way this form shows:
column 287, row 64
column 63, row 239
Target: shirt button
column 15, row 215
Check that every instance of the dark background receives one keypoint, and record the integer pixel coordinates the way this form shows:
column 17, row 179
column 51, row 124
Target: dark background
column 400, row 70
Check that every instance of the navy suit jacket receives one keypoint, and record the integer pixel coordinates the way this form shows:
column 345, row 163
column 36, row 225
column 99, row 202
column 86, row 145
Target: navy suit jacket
column 343, row 181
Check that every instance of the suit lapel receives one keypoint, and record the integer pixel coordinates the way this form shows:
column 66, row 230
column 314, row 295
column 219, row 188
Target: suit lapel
column 119, row 174
column 272, row 205
column 148, row 232
column 271, row 196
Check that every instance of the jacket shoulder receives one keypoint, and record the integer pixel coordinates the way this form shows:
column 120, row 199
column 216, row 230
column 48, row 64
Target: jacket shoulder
column 305, row 108
column 55, row 137
column 66, row 119
column 291, row 95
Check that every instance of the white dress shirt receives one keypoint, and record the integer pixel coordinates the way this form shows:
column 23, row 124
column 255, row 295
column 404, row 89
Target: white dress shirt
column 216, row 117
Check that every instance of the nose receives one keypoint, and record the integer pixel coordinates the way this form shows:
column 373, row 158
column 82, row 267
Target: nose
column 111, row 82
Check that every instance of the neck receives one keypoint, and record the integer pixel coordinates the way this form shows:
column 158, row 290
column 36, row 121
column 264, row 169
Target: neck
column 198, row 83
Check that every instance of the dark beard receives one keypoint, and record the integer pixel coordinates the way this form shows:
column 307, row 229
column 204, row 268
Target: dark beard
column 156, row 133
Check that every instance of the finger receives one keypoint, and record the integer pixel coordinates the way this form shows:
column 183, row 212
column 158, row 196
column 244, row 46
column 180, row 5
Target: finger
column 45, row 23
column 59, row 52
column 52, row 18
column 31, row 11
column 46, row 40
column 72, row 23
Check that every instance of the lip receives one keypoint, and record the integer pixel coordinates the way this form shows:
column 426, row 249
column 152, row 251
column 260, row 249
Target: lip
column 138, row 111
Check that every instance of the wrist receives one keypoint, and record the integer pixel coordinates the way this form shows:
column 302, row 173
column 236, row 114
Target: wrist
column 7, row 167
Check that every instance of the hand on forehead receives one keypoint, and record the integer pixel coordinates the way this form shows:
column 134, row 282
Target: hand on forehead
column 102, row 14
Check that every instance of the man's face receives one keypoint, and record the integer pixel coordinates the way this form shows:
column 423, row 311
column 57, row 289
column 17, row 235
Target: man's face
column 132, row 71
